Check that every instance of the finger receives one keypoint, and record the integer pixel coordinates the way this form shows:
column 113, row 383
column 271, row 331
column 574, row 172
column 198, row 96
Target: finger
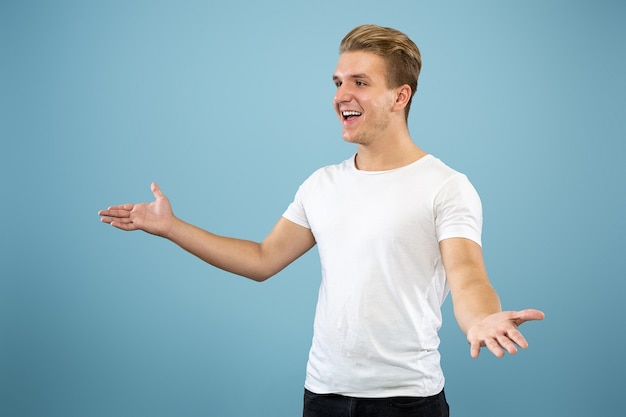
column 156, row 191
column 126, row 224
column 127, row 206
column 117, row 213
column 116, row 209
column 528, row 314
column 475, row 349
column 518, row 338
column 494, row 347
column 116, row 220
column 507, row 344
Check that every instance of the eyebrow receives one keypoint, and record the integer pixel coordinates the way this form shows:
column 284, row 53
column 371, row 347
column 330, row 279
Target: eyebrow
column 353, row 76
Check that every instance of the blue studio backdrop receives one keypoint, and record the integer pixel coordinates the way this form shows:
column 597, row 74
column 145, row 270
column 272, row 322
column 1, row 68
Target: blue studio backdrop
column 228, row 106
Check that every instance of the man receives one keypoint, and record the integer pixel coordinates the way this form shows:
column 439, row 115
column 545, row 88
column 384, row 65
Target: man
column 395, row 228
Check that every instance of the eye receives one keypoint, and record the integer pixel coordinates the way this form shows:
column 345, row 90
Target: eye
column 360, row 83
column 337, row 84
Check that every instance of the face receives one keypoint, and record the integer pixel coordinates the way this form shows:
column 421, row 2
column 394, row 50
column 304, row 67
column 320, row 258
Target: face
column 363, row 102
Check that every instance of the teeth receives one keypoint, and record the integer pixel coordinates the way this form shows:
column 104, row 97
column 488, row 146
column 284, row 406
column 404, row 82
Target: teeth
column 350, row 113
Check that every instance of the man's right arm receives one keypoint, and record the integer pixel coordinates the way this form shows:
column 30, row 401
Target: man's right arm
column 258, row 261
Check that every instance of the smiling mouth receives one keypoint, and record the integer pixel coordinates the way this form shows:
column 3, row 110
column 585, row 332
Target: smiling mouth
column 349, row 114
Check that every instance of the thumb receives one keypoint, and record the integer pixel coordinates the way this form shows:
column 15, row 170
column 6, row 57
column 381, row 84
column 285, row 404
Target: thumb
column 156, row 191
column 529, row 314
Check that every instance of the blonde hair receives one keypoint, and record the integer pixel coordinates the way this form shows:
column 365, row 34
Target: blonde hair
column 401, row 54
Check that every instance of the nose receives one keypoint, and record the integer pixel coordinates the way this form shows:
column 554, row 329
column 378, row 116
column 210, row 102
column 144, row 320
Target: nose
column 343, row 94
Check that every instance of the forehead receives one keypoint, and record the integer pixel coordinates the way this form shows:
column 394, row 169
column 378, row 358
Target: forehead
column 360, row 63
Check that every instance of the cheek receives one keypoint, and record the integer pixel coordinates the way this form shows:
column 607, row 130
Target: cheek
column 390, row 100
column 383, row 101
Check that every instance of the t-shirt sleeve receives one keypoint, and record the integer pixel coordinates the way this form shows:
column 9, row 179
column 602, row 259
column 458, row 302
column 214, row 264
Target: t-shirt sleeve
column 458, row 210
column 295, row 211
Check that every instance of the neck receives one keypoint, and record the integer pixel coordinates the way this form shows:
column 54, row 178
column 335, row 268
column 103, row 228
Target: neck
column 390, row 154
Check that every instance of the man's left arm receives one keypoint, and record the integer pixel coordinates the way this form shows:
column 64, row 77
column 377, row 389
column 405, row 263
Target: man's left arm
column 476, row 304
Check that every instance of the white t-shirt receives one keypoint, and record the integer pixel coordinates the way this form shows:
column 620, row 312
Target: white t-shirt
column 383, row 282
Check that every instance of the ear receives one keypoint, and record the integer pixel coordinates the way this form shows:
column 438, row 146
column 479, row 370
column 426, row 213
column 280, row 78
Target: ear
column 403, row 95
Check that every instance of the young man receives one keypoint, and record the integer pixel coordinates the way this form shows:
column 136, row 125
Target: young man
column 395, row 228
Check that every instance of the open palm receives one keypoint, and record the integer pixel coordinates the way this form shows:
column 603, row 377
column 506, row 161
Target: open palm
column 155, row 217
column 499, row 333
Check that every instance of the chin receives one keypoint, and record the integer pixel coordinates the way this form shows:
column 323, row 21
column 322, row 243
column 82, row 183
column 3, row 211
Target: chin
column 357, row 140
column 349, row 137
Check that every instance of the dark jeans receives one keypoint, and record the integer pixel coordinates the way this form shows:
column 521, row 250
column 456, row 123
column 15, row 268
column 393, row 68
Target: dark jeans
column 332, row 405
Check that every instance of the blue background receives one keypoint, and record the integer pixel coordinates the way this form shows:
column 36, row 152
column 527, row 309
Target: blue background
column 228, row 106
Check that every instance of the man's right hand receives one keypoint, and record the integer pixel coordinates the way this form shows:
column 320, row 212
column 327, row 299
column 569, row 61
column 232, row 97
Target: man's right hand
column 156, row 217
